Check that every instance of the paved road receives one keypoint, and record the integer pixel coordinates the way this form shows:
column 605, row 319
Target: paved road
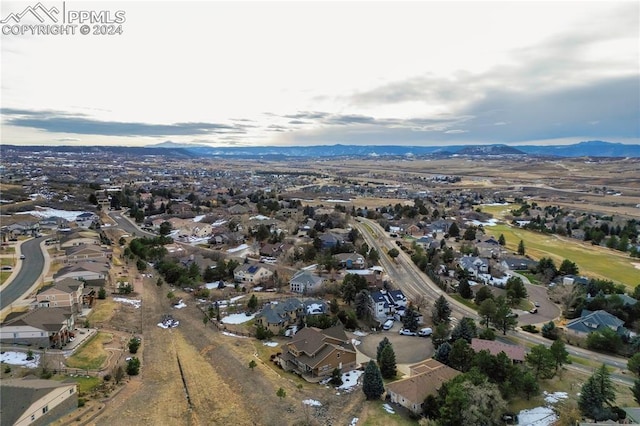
column 126, row 225
column 32, row 267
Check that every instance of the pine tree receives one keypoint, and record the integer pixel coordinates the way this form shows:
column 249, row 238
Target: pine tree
column 559, row 353
column 410, row 319
column 465, row 289
column 521, row 250
column 388, row 368
column 454, row 231
column 541, row 362
column 384, row 342
column 636, row 390
column 372, row 384
column 441, row 311
column 362, row 304
column 442, row 353
column 501, row 240
column 597, row 392
column 466, row 329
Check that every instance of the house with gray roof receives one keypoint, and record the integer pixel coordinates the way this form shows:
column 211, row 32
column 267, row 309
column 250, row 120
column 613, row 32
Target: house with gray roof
column 276, row 316
column 596, row 321
column 474, row 265
column 306, row 282
column 41, row 327
column 33, row 401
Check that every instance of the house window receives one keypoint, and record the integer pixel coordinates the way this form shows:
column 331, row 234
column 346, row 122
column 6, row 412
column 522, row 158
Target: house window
column 45, row 409
column 338, row 356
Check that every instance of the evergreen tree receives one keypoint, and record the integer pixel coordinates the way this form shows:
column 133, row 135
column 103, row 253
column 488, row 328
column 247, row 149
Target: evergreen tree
column 634, row 364
column 503, row 319
column 483, row 294
column 568, row 267
column 362, row 304
column 383, row 343
column 441, row 311
column 442, row 353
column 466, row 329
column 461, row 355
column 372, row 384
column 252, row 304
column 516, row 290
column 487, row 311
column 541, row 362
column 597, row 395
column 410, row 319
column 559, row 353
column 388, row 368
column 336, row 377
column 454, row 230
column 521, row 250
column 501, row 240
column 465, row 289
column 440, row 335
column 550, row 331
column 636, row 390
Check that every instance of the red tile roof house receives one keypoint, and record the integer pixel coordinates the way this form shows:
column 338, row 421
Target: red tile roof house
column 514, row 352
column 314, row 353
column 425, row 379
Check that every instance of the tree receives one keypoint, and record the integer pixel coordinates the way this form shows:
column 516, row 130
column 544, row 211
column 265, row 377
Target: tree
column 372, row 384
column 466, row 329
column 252, row 364
column 504, row 319
column 541, row 362
column 133, row 366
column 410, row 319
column 252, row 304
column 501, row 240
column 442, row 353
column 134, row 345
column 440, row 334
column 461, row 355
column 529, row 385
column 636, row 390
column 487, row 311
column 470, row 233
column 465, row 289
column 568, row 267
column 384, row 342
column 470, row 401
column 336, row 377
column 118, row 374
column 483, row 294
column 165, row 228
column 454, row 230
column 516, row 290
column 393, row 253
column 604, row 340
column 596, row 393
column 141, row 265
column 388, row 368
column 550, row 331
column 521, row 250
column 281, row 393
column 362, row 305
column 102, row 293
column 441, row 311
column 634, row 364
column 559, row 353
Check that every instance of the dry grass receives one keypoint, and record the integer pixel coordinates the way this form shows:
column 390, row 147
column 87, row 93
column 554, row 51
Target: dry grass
column 92, row 354
column 102, row 311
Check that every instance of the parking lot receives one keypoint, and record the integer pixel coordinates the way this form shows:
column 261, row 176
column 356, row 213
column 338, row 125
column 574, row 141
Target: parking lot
column 408, row 349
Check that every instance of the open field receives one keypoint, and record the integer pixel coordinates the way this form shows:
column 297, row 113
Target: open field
column 102, row 311
column 92, row 354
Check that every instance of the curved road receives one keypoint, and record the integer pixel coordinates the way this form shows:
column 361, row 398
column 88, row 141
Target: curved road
column 30, row 270
column 126, row 225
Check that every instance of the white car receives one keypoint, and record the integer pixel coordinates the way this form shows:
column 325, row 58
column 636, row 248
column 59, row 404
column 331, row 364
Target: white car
column 425, row 332
column 407, row 332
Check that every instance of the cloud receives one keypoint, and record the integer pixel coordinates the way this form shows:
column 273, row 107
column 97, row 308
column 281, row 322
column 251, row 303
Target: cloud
column 61, row 122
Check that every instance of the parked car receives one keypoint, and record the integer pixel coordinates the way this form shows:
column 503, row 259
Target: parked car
column 534, row 311
column 22, row 256
column 537, row 304
column 387, row 324
column 407, row 332
column 425, row 332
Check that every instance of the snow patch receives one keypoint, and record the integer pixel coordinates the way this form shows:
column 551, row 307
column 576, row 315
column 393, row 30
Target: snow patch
column 237, row 318
column 226, row 333
column 69, row 215
column 270, row 344
column 20, row 358
column 259, row 217
column 360, row 333
column 355, row 342
column 539, row 416
column 388, row 408
column 133, row 302
column 239, row 248
column 354, row 421
column 552, row 398
column 312, row 402
column 199, row 218
column 180, row 305
column 350, row 379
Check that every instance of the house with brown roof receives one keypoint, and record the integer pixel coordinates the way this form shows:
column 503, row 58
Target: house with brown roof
column 33, row 401
column 314, row 353
column 515, row 353
column 251, row 273
column 66, row 293
column 41, row 327
column 86, row 271
column 425, row 379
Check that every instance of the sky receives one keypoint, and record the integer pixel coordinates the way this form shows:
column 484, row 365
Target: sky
column 420, row 73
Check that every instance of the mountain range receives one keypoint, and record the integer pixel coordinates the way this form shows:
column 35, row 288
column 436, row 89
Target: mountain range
column 168, row 148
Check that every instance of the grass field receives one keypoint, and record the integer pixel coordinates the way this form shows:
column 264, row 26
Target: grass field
column 102, row 311
column 593, row 261
column 91, row 354
column 377, row 415
column 85, row 384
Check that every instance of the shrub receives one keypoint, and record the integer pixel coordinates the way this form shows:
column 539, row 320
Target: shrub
column 530, row 328
column 81, row 402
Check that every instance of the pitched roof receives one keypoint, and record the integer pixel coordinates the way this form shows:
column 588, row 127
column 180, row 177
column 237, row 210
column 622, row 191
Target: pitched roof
column 67, row 285
column 17, row 395
column 84, row 267
column 514, row 352
column 427, row 382
column 306, row 278
column 49, row 319
column 314, row 345
column 592, row 321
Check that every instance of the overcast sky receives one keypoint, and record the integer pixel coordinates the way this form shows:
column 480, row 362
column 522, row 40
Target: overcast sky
column 415, row 73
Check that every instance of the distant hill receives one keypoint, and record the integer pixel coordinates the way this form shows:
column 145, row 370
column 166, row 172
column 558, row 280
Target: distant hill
column 181, row 150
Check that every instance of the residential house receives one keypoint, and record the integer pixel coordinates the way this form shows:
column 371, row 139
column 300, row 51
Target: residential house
column 330, row 240
column 275, row 250
column 624, row 298
column 251, row 273
column 425, row 379
column 595, row 321
column 515, row 353
column 86, row 271
column 414, row 230
column 33, row 401
column 41, row 327
column 489, row 248
column 238, row 209
column 351, row 260
column 66, row 293
column 276, row 316
column 315, row 353
column 474, row 265
column 306, row 282
column 88, row 252
column 385, row 303
column 53, row 223
column 78, row 237
column 518, row 263
column 86, row 219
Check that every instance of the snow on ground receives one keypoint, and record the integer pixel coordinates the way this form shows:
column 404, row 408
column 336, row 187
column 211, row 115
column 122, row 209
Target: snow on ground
column 350, row 379
column 490, row 222
column 312, row 402
column 259, row 217
column 199, row 218
column 237, row 318
column 226, row 333
column 338, row 201
column 552, row 398
column 539, row 416
column 239, row 248
column 20, row 358
column 270, row 344
column 133, row 302
column 388, row 408
column 360, row 333
column 495, row 204
column 354, row 421
column 355, row 342
column 219, row 222
column 69, row 215
column 180, row 305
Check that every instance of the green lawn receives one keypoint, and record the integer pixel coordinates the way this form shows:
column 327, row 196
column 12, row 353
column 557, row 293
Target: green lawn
column 91, row 354
column 85, row 384
column 596, row 262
